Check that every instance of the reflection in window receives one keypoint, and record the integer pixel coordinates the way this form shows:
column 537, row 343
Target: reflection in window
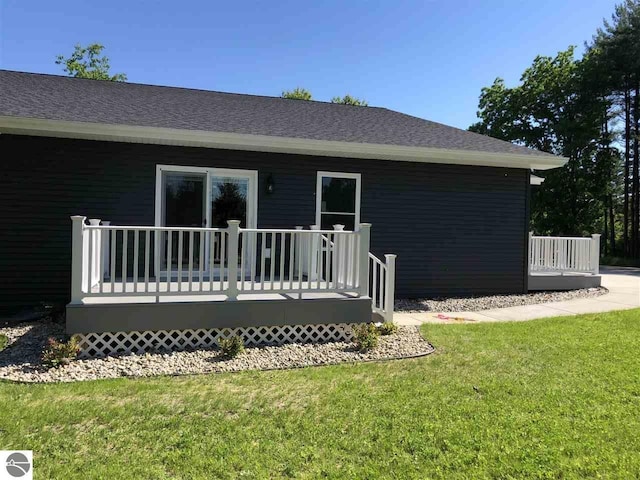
column 228, row 201
column 338, row 195
column 184, row 200
column 338, row 202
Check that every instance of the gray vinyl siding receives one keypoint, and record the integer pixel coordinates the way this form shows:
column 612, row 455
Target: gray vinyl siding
column 457, row 230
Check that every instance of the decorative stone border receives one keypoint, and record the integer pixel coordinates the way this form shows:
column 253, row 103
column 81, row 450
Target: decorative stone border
column 21, row 360
column 489, row 302
column 93, row 345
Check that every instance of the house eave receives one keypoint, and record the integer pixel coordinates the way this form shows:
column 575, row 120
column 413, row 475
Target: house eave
column 263, row 143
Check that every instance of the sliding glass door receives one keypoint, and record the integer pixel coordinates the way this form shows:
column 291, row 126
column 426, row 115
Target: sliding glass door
column 201, row 197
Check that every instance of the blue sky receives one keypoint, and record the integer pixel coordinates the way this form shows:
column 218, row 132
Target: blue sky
column 425, row 58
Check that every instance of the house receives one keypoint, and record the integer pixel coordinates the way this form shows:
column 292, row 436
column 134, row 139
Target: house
column 160, row 171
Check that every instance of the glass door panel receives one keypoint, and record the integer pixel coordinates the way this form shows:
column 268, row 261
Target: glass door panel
column 184, row 205
column 228, row 202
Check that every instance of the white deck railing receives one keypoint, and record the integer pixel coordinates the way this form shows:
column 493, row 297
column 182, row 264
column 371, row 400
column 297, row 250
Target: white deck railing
column 113, row 260
column 564, row 254
column 382, row 285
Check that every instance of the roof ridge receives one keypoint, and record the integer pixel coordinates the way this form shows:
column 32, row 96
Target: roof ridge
column 173, row 87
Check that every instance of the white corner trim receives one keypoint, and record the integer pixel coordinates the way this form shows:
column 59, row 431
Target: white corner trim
column 263, row 143
column 536, row 180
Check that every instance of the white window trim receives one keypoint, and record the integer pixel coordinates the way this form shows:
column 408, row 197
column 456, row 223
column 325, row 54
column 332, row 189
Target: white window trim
column 358, row 179
column 252, row 175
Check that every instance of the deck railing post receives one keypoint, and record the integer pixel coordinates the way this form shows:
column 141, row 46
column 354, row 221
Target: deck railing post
column 94, row 254
column 390, row 287
column 298, row 252
column 232, row 249
column 313, row 251
column 364, row 237
column 339, row 257
column 530, row 250
column 105, row 240
column 77, row 254
column 595, row 253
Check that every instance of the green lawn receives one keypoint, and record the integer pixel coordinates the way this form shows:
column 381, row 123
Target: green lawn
column 556, row 398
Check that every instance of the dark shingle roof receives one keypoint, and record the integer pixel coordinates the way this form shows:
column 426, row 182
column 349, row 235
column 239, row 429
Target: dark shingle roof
column 63, row 98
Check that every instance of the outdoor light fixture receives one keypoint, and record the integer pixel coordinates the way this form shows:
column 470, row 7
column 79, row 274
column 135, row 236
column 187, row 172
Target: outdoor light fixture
column 270, row 186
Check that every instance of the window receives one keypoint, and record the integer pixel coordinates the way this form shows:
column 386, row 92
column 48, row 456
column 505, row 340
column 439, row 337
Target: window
column 338, row 200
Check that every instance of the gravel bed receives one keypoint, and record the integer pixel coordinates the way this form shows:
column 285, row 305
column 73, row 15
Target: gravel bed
column 473, row 304
column 20, row 361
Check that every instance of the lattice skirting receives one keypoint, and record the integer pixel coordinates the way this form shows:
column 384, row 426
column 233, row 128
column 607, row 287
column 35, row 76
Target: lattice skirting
column 108, row 343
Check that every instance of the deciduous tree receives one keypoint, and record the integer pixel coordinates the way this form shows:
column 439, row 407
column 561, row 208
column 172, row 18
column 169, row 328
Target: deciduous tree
column 86, row 62
column 555, row 110
column 349, row 100
column 297, row 94
column 616, row 49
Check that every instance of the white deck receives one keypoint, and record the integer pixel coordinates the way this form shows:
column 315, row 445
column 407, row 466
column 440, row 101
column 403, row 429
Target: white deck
column 541, row 281
column 560, row 274
column 206, row 287
column 114, row 264
column 564, row 263
column 134, row 292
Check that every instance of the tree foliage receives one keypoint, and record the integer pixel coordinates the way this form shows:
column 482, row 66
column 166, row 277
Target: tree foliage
column 555, row 110
column 87, row 62
column 297, row 94
column 349, row 100
column 587, row 110
column 615, row 49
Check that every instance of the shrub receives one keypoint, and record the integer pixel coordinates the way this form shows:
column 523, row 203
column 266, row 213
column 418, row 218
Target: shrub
column 365, row 336
column 387, row 328
column 231, row 347
column 58, row 353
column 4, row 341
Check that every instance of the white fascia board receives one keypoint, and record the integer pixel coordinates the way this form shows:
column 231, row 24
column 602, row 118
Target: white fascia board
column 263, row 143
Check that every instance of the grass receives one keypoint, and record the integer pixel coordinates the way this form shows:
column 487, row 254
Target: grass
column 555, row 398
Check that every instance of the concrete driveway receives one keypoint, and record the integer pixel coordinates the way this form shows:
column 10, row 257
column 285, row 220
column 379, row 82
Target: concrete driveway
column 623, row 284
